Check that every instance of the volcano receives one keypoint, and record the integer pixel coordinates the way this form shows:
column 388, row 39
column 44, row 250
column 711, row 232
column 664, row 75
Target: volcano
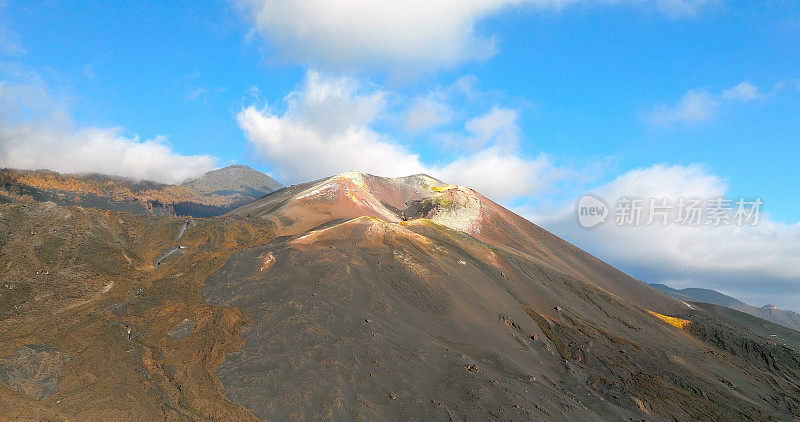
column 360, row 297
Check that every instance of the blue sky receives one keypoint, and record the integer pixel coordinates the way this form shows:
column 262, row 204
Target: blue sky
column 532, row 102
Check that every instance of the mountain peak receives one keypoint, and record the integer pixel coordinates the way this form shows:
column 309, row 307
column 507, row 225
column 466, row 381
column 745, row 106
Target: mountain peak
column 236, row 178
column 352, row 174
column 355, row 194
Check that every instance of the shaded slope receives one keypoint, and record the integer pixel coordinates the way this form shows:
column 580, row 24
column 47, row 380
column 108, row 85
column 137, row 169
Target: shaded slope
column 773, row 332
column 372, row 319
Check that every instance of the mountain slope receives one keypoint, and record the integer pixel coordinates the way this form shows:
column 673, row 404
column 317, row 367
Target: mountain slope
column 771, row 313
column 359, row 297
column 75, row 279
column 217, row 192
column 234, row 179
column 381, row 281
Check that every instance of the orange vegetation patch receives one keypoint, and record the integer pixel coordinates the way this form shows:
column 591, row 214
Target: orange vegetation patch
column 677, row 322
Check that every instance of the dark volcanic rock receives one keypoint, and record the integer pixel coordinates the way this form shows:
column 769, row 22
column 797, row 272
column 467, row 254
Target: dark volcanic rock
column 34, row 370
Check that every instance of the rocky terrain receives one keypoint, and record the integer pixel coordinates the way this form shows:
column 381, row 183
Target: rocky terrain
column 358, row 297
column 771, row 313
column 216, row 192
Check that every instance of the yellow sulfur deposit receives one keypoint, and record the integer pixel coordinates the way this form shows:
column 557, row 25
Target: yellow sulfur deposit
column 443, row 188
column 677, row 322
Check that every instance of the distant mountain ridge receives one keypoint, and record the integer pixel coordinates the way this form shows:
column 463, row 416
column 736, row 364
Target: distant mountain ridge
column 216, row 192
column 770, row 313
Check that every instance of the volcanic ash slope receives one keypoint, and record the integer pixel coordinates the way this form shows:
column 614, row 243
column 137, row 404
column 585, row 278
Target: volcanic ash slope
column 408, row 298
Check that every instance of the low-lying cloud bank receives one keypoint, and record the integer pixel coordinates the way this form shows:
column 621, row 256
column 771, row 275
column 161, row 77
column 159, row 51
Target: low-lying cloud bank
column 758, row 263
column 36, row 133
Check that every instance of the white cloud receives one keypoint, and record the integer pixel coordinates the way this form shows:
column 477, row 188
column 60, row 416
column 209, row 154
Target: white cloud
column 96, row 150
column 696, row 106
column 346, row 32
column 328, row 128
column 434, row 109
column 744, row 91
column 700, row 105
column 36, row 132
column 498, row 126
column 398, row 35
column 744, row 260
column 334, row 105
column 500, row 174
column 325, row 130
column 427, row 113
